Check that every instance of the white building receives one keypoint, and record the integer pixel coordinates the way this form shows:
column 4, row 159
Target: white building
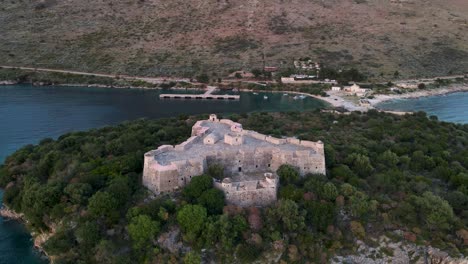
column 336, row 88
column 356, row 90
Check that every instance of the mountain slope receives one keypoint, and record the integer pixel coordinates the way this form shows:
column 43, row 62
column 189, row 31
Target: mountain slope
column 152, row 37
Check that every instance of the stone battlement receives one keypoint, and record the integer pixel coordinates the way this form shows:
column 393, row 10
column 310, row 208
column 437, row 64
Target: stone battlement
column 241, row 152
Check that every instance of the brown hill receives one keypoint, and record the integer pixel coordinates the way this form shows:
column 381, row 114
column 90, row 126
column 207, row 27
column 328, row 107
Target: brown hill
column 153, row 37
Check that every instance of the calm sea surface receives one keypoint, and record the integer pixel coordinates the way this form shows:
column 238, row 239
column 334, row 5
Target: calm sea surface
column 451, row 107
column 29, row 114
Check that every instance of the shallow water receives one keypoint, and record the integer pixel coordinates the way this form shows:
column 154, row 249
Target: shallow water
column 451, row 107
column 29, row 114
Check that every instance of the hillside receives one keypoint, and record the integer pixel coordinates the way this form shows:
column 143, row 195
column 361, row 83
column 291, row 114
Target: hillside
column 155, row 37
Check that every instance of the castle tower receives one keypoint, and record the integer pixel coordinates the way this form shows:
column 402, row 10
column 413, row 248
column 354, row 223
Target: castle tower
column 213, row 118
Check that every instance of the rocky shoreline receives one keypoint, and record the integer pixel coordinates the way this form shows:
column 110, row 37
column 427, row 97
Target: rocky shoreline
column 39, row 239
column 5, row 212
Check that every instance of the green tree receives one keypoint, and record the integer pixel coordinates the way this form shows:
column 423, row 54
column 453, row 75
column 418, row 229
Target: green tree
column 196, row 187
column 360, row 164
column 121, row 189
column 191, row 219
column 389, row 158
column 78, row 192
column 203, row 78
column 291, row 192
column 192, row 258
column 329, row 192
column 88, row 234
column 257, row 72
column 288, row 215
column 359, row 204
column 320, row 215
column 142, row 229
column 212, row 200
column 230, row 230
column 216, row 171
column 434, row 211
column 288, row 174
column 103, row 204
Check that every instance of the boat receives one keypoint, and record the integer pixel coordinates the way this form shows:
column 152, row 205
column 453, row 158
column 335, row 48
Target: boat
column 285, row 94
column 302, row 96
column 296, row 97
column 265, row 97
column 255, row 93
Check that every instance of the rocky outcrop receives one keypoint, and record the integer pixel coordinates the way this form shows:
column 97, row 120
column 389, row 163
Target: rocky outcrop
column 7, row 82
column 388, row 251
column 10, row 214
column 171, row 241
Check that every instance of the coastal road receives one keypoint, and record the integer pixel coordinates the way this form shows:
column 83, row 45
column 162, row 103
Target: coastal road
column 153, row 80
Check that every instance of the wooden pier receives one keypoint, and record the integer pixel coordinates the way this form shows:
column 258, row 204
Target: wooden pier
column 208, row 95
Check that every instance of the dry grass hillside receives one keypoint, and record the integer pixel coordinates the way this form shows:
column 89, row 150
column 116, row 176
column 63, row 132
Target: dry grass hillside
column 154, row 37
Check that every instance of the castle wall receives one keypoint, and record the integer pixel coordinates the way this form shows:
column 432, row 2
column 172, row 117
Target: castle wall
column 233, row 140
column 173, row 174
column 251, row 193
column 275, row 141
column 187, row 144
column 259, row 197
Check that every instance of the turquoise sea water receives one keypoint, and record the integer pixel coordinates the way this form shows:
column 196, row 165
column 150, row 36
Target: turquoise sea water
column 450, row 107
column 29, row 114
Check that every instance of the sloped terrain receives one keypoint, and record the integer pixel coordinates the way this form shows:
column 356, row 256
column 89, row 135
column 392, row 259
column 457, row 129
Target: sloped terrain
column 154, row 37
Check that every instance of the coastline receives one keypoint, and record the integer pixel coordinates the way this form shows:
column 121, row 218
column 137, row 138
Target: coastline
column 334, row 99
column 38, row 239
column 338, row 99
column 379, row 98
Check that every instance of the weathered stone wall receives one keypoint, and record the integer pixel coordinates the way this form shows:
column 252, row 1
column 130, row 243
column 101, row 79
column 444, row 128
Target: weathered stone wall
column 177, row 173
column 233, row 139
column 250, row 193
column 259, row 197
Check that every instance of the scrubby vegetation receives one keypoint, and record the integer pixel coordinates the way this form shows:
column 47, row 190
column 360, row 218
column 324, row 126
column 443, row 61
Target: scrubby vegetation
column 385, row 173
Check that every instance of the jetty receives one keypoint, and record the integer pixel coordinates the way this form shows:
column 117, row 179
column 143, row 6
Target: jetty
column 208, row 95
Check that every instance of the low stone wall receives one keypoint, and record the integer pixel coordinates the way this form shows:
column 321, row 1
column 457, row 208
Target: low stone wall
column 275, row 141
column 254, row 134
column 248, row 197
column 187, row 144
column 259, row 197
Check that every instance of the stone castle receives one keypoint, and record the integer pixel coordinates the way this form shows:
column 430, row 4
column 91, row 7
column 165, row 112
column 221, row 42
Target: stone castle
column 249, row 159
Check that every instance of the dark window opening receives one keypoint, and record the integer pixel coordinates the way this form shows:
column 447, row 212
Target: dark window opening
column 269, row 165
column 256, row 166
column 240, row 169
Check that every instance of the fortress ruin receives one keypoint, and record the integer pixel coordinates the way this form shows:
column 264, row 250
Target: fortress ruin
column 250, row 161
